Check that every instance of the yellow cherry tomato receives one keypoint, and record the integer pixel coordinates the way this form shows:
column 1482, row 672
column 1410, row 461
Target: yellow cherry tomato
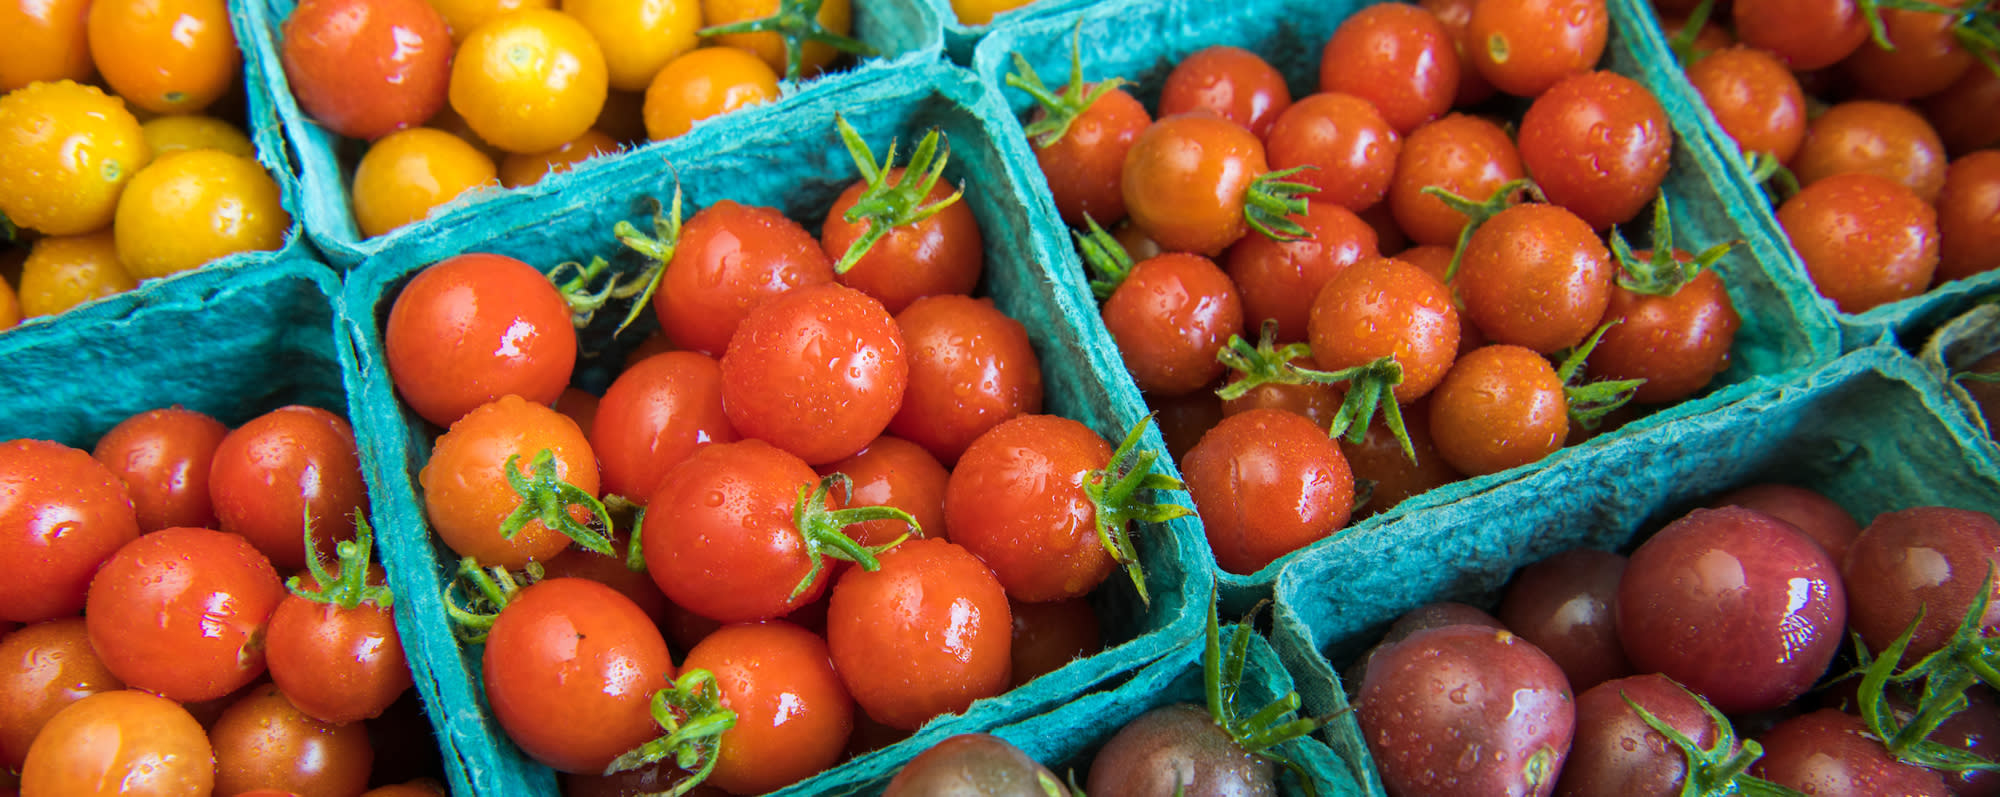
column 704, row 83
column 464, row 16
column 518, row 169
column 836, row 16
column 46, row 40
column 638, row 36
column 64, row 271
column 66, row 151
column 529, row 81
column 166, row 56
column 194, row 206
column 408, row 172
column 194, row 131
column 981, row 12
column 10, row 307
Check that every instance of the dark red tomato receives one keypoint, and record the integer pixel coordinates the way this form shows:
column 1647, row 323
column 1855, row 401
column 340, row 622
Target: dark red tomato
column 1931, row 557
column 1278, row 279
column 1177, row 747
column 1456, row 17
column 730, row 259
column 61, row 514
column 943, row 254
column 1230, row 82
column 1525, row 46
column 925, row 635
column 1816, row 515
column 1536, row 276
column 283, row 469
column 1967, row 113
column 972, row 765
column 654, row 415
column 367, row 69
column 894, row 472
column 1865, row 240
column 1384, row 307
column 1805, row 34
column 1436, row 614
column 1017, row 500
column 1677, row 343
column 1267, row 483
column 336, row 664
column 1597, row 143
column 1352, row 150
column 1379, row 458
column 120, row 742
column 1169, row 317
column 1831, row 754
column 1968, row 209
column 1879, row 138
column 570, row 669
column 971, row 367
column 1399, row 58
column 1498, row 407
column 1466, row 155
column 1085, row 165
column 1185, row 180
column 262, row 741
column 1755, row 99
column 817, row 371
column 43, row 668
column 472, row 328
column 1976, row 730
column 1741, row 607
column 1926, row 58
column 163, row 457
column 793, row 714
column 1465, row 710
column 1567, row 606
column 1617, row 752
column 183, row 613
column 1051, row 634
column 467, row 497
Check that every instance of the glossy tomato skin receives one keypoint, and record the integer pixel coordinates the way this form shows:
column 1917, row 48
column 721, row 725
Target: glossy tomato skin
column 731, row 258
column 1499, row 407
column 1350, row 146
column 406, row 174
column 1384, row 307
column 334, row 664
column 793, row 714
column 278, row 469
column 1880, row 138
column 530, row 80
column 943, row 254
column 1567, row 606
column 1492, row 713
column 894, row 472
column 1832, row 754
column 1399, row 58
column 818, row 371
column 1523, row 47
column 702, row 83
column 183, row 613
column 1536, row 276
column 120, row 742
column 1616, row 752
column 43, row 668
column 638, row 38
column 1805, row 34
column 367, row 69
column 61, row 515
column 1230, row 82
column 67, row 151
column 1597, row 143
column 971, row 765
column 1466, row 155
column 1456, row 16
column 720, row 537
column 925, row 635
column 1279, row 279
column 570, row 669
column 1017, row 500
column 1815, row 514
column 655, row 414
column 166, row 57
column 1740, row 607
column 1865, row 240
column 466, row 493
column 1266, row 483
column 472, row 328
column 1178, row 747
column 1677, row 343
column 51, row 44
column 1185, row 179
column 163, row 457
column 263, row 741
column 1927, row 57
column 1170, row 316
column 1931, row 557
column 1085, row 167
column 1968, row 209
column 1755, row 99
column 971, row 367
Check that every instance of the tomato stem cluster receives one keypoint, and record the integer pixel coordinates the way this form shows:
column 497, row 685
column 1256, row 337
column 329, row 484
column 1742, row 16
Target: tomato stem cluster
column 823, row 529
column 1975, row 27
column 886, row 205
column 1266, row 363
column 1060, row 110
column 547, row 498
column 797, row 22
column 1115, row 492
column 658, row 250
column 1590, row 402
column 1105, row 257
column 493, row 589
column 1222, row 681
column 350, row 588
column 1271, row 201
column 1663, row 274
column 692, row 714
column 1370, row 386
column 1720, row 768
column 1969, row 657
column 1477, row 213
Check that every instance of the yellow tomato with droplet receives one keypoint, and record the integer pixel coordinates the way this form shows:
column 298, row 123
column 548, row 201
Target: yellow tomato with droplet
column 66, row 152
column 63, row 271
column 194, row 206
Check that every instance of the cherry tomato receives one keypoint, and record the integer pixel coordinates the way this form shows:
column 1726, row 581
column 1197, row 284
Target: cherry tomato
column 1278, row 279
column 836, row 16
column 1051, row 634
column 1466, row 155
column 943, row 254
column 1230, row 82
column 466, row 493
column 336, row 664
column 1085, row 167
column 367, row 69
column 280, row 470
column 1565, row 605
column 1399, row 58
column 1879, row 138
column 1617, row 752
column 971, row 367
column 1755, row 99
column 703, row 83
column 171, row 56
column 638, row 38
column 1865, row 240
column 1017, row 500
column 731, row 258
column 894, row 472
column 118, row 743
column 1815, row 514
column 66, row 152
column 63, row 271
column 518, row 169
column 1352, row 150
column 1968, row 209
column 1267, row 483
column 183, row 612
column 1832, row 754
column 405, row 174
column 793, row 714
column 61, row 515
column 971, row 763
column 1525, row 46
column 472, row 328
column 1170, row 316
column 1928, row 559
column 529, row 81
column 262, row 741
column 1805, row 34
column 465, row 16
column 1597, row 143
column 1926, row 58
column 1177, row 747
column 1383, row 307
column 1379, row 458
column 1185, row 180
column 925, row 635
column 655, row 415
column 1537, row 276
column 1456, row 17
column 1967, row 113
column 570, row 669
column 50, row 43
column 191, row 207
column 163, row 456
column 43, row 668
column 1498, row 407
column 817, row 371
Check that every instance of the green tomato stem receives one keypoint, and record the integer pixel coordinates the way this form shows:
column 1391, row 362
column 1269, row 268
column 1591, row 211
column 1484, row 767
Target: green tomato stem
column 1115, row 493
column 1477, row 213
column 824, row 530
column 884, row 205
column 547, row 498
column 1059, row 110
column 350, row 588
column 796, row 22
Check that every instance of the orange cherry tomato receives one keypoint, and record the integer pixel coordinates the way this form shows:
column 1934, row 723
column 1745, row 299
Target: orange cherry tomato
column 703, row 83
column 407, row 173
column 46, row 41
column 465, row 16
column 166, row 56
column 638, row 36
column 529, row 81
column 193, row 131
column 66, row 152
column 122, row 742
column 63, row 271
column 519, row 169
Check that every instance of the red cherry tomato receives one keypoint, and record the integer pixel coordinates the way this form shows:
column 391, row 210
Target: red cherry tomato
column 1278, row 279
column 570, row 669
column 184, row 612
column 1185, row 180
column 336, row 664
column 1677, row 343
column 1169, row 316
column 893, row 472
column 1230, row 82
column 1017, row 500
column 120, row 742
column 1085, row 167
column 731, row 258
column 1524, row 46
column 1968, row 209
column 1383, row 307
column 262, row 741
column 1398, row 57
column 925, row 635
column 1267, row 483
column 1878, row 138
column 466, row 493
column 1352, row 150
column 285, row 468
column 1865, row 240
column 971, row 367
column 367, row 69
column 1597, row 143
column 653, row 416
column 43, row 668
column 793, row 714
column 1925, row 59
column 1466, row 155
column 1755, row 99
column 61, row 515
column 163, row 456
column 817, row 371
column 1805, row 34
column 1537, row 276
column 943, row 254
column 472, row 328
column 1498, row 407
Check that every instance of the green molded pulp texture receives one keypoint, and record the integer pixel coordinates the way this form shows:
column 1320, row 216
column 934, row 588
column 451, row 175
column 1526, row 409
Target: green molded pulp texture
column 1908, row 320
column 1874, row 430
column 962, row 40
column 906, row 34
column 794, row 162
column 1784, row 327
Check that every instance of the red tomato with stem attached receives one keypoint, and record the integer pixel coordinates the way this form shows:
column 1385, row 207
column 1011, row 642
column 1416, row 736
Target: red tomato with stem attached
column 925, row 635
column 184, row 613
column 894, row 472
column 1466, row 155
column 1925, row 56
column 655, row 414
column 1267, row 483
column 467, row 496
column 333, row 647
column 1085, row 164
column 942, row 254
column 1384, row 307
column 818, row 372
column 367, row 69
column 163, row 456
column 793, row 715
column 1186, row 178
column 971, row 367
column 1398, row 57
column 731, row 258
column 472, row 328
column 1537, row 276
column 282, row 470
column 1018, row 500
column 1597, row 144
column 1677, row 342
column 1352, row 150
column 1230, row 82
column 1170, row 315
column 61, row 515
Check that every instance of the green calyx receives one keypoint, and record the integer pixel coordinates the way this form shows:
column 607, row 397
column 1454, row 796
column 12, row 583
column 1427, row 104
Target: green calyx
column 692, row 714
column 1589, row 402
column 824, row 530
column 1477, row 213
column 1682, row 44
column 658, row 249
column 1222, row 681
column 797, row 22
column 487, row 591
column 1719, row 769
column 1663, row 274
column 1059, row 110
column 1266, row 363
column 1115, row 493
column 350, row 589
column 547, row 498
column 1371, row 386
column 1271, row 201
column 884, row 205
column 1767, row 171
column 1938, row 682
column 1106, row 259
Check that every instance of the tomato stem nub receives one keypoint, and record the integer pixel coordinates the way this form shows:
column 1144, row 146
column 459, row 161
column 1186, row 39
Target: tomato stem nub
column 1778, row 182
column 1664, row 274
column 1590, row 402
column 1103, row 256
column 350, row 589
column 1114, row 491
column 1477, row 213
column 797, row 22
column 886, row 206
column 1271, row 201
column 1965, row 659
column 658, row 249
column 824, row 530
column 1719, row 768
column 490, row 594
column 1682, row 44
column 547, row 498
column 1267, row 363
column 692, row 714
column 1222, row 682
column 1059, row 110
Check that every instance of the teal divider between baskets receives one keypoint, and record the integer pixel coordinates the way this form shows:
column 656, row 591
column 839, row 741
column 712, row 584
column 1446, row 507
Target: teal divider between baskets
column 797, row 164
column 962, row 40
column 907, row 34
column 1954, row 348
column 1874, row 430
column 1907, row 321
column 1784, row 328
